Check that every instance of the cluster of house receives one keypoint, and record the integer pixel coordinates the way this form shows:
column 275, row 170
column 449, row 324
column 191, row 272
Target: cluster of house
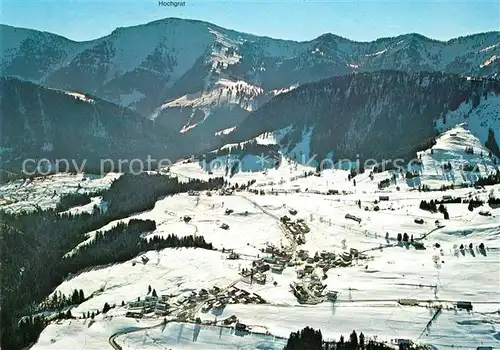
column 276, row 263
column 326, row 260
column 238, row 326
column 225, row 192
column 233, row 256
column 297, row 228
column 232, row 295
column 311, row 291
column 150, row 304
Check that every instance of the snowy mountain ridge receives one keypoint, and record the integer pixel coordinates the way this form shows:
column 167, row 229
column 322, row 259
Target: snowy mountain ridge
column 152, row 67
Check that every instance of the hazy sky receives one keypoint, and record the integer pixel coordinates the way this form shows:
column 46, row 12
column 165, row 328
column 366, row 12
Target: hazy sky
column 361, row 20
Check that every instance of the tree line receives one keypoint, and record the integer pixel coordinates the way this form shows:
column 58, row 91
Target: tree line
column 123, row 242
column 311, row 339
column 34, row 244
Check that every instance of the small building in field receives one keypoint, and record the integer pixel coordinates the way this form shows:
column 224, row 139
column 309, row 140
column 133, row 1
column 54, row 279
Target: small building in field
column 408, row 302
column 233, row 256
column 402, row 343
column 240, row 326
column 260, row 278
column 419, row 245
column 466, row 305
column 136, row 312
column 230, row 319
column 352, row 217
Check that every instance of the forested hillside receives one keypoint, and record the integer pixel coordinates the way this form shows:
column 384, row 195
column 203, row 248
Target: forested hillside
column 376, row 115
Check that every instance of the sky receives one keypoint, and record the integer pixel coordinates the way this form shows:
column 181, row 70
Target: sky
column 361, row 20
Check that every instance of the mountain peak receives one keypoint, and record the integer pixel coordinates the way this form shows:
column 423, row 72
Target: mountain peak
column 329, row 37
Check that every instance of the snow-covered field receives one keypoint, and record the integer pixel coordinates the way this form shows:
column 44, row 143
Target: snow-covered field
column 369, row 289
column 170, row 271
column 45, row 192
column 86, row 334
column 460, row 329
column 192, row 336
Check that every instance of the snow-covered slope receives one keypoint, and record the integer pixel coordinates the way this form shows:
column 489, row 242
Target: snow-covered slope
column 369, row 290
column 45, row 192
column 450, row 150
column 479, row 118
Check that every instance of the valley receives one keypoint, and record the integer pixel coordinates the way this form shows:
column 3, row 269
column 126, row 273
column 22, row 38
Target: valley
column 384, row 286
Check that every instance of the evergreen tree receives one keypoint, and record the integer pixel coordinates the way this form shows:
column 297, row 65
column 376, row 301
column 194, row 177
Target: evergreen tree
column 307, row 338
column 492, row 144
column 353, row 340
column 446, row 215
column 106, row 308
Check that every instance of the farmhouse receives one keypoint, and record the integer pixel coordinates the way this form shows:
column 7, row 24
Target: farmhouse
column 233, row 256
column 230, row 319
column 277, row 268
column 161, row 309
column 402, row 343
column 269, row 259
column 466, row 305
column 240, row 326
column 419, row 245
column 206, row 307
column 134, row 314
column 352, row 217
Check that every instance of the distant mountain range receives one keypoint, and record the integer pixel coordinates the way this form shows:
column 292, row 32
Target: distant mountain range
column 196, row 82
